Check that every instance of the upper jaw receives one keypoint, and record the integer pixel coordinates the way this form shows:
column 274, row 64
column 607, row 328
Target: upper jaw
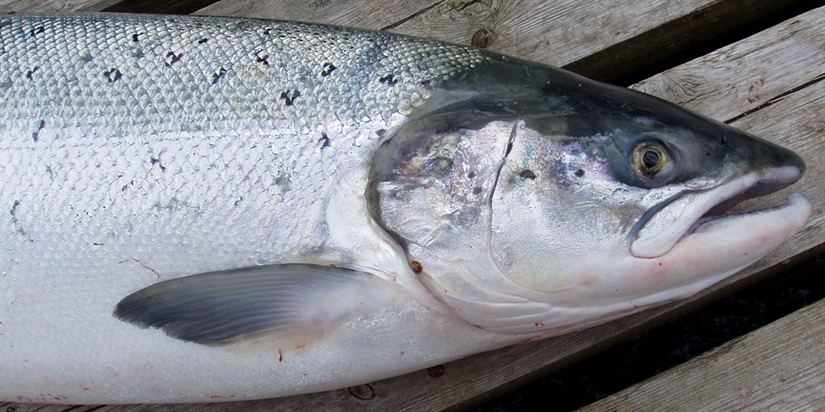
column 666, row 224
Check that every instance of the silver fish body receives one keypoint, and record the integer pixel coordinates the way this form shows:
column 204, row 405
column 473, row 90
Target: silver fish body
column 215, row 208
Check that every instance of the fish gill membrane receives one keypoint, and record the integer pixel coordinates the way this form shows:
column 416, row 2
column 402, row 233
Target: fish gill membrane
column 207, row 209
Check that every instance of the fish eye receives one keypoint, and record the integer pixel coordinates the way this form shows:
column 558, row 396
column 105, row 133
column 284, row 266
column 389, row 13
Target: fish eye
column 650, row 158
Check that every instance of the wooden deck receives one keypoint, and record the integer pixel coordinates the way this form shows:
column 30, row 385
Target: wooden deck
column 769, row 83
column 783, row 362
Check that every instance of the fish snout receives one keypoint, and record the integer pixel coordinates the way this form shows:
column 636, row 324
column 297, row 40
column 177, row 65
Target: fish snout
column 759, row 154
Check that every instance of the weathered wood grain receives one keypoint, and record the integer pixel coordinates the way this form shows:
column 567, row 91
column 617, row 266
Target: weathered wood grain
column 790, row 111
column 778, row 367
column 123, row 6
column 365, row 14
column 681, row 37
column 602, row 39
column 130, row 6
column 721, row 78
column 31, row 6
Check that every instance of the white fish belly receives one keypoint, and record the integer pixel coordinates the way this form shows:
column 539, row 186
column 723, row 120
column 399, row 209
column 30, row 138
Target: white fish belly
column 86, row 356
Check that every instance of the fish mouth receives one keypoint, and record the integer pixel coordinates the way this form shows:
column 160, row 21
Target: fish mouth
column 688, row 212
column 761, row 188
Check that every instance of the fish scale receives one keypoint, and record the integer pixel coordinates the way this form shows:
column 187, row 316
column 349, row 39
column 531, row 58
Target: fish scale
column 160, row 93
column 193, row 114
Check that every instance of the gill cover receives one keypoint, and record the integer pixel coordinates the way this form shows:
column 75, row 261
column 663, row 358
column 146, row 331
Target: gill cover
column 431, row 186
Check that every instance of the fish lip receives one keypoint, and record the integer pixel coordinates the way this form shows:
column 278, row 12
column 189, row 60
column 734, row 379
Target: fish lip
column 764, row 182
column 771, row 182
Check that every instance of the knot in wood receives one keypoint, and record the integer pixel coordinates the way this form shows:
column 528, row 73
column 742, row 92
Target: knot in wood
column 481, row 39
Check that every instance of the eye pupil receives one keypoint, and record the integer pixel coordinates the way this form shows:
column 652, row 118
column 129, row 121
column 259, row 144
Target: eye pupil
column 651, row 159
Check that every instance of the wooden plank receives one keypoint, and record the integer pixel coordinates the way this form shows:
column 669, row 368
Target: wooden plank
column 30, row 6
column 718, row 76
column 778, row 367
column 676, row 39
column 582, row 37
column 577, row 35
column 798, row 123
column 365, row 14
column 121, row 6
column 154, row 6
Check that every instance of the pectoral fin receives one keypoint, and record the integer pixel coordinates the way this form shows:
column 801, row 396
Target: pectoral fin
column 289, row 305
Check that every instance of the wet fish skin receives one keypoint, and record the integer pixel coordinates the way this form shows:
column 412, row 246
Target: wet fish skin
column 235, row 209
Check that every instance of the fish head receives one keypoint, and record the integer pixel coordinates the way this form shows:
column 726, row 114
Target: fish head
column 552, row 203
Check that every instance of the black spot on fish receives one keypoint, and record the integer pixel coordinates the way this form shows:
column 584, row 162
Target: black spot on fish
column 289, row 96
column 31, row 72
column 17, row 226
column 156, row 161
column 471, row 175
column 328, row 69
column 36, row 133
column 262, row 60
column 579, row 173
column 113, row 75
column 283, row 181
column 380, row 132
column 389, row 80
column 324, row 140
column 172, row 58
column 723, row 140
column 37, row 30
column 136, row 37
column 477, row 190
column 528, row 174
column 217, row 76
column 203, row 40
column 86, row 57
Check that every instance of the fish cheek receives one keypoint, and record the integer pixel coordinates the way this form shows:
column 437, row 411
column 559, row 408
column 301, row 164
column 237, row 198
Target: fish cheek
column 554, row 209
